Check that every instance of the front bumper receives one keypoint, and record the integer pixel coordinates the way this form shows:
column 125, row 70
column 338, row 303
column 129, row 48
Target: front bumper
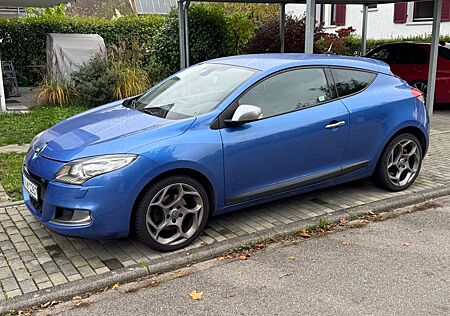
column 109, row 198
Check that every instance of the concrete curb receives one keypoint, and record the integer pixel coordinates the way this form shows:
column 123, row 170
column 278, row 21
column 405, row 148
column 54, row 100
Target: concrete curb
column 186, row 258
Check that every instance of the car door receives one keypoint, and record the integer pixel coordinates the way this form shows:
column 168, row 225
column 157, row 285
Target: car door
column 404, row 63
column 299, row 140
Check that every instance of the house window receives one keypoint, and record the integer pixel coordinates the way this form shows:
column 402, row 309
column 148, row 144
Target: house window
column 333, row 15
column 423, row 11
column 322, row 14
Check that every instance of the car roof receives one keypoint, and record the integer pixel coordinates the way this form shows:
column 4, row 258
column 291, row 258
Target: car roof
column 446, row 45
column 267, row 62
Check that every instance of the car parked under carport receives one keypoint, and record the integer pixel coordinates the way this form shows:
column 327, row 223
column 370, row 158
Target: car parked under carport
column 410, row 61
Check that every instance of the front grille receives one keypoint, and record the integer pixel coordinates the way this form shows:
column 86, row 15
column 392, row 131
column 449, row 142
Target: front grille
column 42, row 183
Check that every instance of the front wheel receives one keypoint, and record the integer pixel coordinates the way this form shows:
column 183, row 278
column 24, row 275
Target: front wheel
column 399, row 163
column 172, row 213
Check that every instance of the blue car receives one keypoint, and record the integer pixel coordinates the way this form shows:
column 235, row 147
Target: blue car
column 220, row 136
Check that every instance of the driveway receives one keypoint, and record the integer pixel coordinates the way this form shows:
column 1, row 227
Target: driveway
column 32, row 258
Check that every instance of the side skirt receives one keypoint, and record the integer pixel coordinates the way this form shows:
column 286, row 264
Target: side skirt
column 296, row 183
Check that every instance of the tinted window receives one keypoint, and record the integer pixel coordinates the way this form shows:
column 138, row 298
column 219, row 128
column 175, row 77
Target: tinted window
column 289, row 91
column 405, row 54
column 383, row 53
column 444, row 52
column 422, row 56
column 351, row 81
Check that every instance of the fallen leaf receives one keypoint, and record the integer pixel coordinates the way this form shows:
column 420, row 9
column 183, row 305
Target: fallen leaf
column 346, row 243
column 242, row 257
column 221, row 258
column 196, row 295
column 115, row 286
column 76, row 298
column 291, row 258
column 406, row 244
column 304, row 234
column 45, row 305
column 343, row 221
column 260, row 246
column 357, row 223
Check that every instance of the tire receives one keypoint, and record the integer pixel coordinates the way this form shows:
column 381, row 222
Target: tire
column 399, row 163
column 163, row 213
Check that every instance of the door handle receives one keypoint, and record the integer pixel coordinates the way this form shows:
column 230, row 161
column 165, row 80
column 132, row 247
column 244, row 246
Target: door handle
column 335, row 125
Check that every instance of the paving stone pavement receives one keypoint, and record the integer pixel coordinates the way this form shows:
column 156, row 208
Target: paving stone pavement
column 33, row 258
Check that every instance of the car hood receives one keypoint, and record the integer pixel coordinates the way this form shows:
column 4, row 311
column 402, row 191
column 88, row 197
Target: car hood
column 108, row 129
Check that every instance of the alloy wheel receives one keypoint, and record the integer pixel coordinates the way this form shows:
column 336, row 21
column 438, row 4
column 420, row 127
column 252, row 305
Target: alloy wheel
column 403, row 162
column 174, row 214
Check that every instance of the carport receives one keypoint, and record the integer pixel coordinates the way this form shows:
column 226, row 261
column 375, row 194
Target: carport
column 183, row 12
column 22, row 4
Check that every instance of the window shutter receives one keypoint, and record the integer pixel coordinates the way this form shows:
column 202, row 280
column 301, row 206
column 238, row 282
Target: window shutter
column 400, row 12
column 340, row 14
column 445, row 11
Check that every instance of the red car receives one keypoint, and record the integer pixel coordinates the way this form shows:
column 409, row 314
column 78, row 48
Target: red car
column 409, row 61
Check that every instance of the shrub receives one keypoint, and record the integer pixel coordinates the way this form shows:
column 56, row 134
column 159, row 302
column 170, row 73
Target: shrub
column 334, row 43
column 52, row 91
column 24, row 39
column 240, row 30
column 120, row 76
column 267, row 38
column 208, row 36
column 93, row 82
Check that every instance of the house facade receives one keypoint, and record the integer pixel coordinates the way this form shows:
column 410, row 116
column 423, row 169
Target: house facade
column 384, row 20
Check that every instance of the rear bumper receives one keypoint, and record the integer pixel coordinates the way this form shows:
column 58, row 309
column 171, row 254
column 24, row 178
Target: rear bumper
column 109, row 198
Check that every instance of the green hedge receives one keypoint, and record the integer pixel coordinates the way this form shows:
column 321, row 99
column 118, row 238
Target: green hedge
column 354, row 43
column 24, row 39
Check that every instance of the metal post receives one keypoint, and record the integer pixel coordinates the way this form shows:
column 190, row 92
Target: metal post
column 432, row 69
column 181, row 30
column 186, row 31
column 310, row 23
column 364, row 29
column 2, row 90
column 282, row 25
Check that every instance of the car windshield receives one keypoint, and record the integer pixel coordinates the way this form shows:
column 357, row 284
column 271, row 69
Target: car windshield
column 194, row 91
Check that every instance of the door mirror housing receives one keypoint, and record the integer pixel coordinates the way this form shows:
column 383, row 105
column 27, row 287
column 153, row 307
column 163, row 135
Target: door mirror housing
column 245, row 113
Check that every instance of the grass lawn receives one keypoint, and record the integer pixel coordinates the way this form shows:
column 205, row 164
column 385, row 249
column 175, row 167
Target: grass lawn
column 20, row 128
column 10, row 178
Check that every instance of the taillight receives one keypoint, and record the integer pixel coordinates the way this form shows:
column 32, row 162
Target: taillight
column 418, row 94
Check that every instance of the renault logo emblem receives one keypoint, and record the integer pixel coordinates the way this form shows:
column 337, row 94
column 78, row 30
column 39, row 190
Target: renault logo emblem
column 40, row 149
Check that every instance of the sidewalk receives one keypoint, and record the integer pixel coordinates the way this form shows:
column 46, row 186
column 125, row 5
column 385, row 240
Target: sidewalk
column 32, row 258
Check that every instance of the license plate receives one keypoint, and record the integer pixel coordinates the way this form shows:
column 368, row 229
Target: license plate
column 30, row 187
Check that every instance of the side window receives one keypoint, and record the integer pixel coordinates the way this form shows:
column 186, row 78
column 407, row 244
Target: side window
column 383, row 54
column 422, row 56
column 289, row 91
column 349, row 81
column 405, row 54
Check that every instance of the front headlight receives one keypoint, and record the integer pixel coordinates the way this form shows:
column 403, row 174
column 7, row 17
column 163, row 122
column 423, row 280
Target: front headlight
column 80, row 170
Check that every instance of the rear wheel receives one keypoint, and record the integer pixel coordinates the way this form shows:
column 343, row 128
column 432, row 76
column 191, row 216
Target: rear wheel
column 399, row 163
column 172, row 213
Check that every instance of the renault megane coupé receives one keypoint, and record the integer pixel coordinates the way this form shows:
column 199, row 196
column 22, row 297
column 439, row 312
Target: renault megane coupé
column 222, row 135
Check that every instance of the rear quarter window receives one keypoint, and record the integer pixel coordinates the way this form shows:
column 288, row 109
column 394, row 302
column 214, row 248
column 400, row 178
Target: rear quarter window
column 350, row 81
column 444, row 52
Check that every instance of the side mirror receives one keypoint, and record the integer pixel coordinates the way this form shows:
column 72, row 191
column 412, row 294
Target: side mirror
column 245, row 113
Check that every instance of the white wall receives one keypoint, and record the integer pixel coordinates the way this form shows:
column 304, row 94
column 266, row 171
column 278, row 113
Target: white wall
column 380, row 21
